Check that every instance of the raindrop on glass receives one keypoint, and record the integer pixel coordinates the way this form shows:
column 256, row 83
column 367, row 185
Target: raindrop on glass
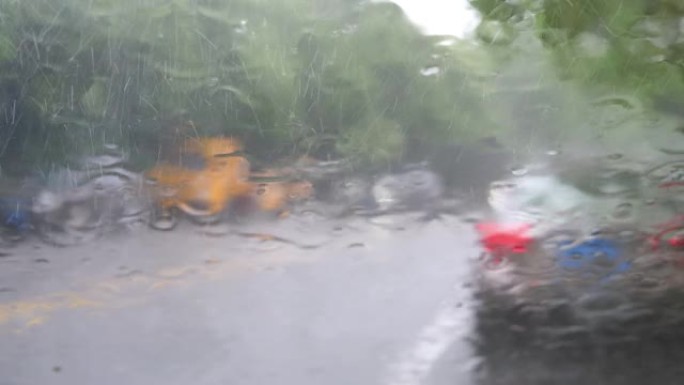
column 519, row 171
column 430, row 71
column 623, row 211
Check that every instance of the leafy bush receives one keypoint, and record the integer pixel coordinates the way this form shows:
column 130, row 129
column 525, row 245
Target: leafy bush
column 630, row 46
column 325, row 78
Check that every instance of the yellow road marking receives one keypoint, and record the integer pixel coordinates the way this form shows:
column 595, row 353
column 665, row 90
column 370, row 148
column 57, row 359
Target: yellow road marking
column 125, row 291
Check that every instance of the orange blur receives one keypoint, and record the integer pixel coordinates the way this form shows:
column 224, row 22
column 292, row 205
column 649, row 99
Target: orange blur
column 222, row 179
column 274, row 197
column 210, row 189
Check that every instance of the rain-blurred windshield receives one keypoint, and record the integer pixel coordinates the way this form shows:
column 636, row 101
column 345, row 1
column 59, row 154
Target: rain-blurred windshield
column 478, row 192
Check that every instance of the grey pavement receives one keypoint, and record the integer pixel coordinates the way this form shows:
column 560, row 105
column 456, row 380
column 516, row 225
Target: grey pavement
column 366, row 303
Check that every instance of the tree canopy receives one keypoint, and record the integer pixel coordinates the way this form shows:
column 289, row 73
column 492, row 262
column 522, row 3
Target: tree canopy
column 326, row 78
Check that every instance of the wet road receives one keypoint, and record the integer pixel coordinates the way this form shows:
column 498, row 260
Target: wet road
column 374, row 303
column 305, row 300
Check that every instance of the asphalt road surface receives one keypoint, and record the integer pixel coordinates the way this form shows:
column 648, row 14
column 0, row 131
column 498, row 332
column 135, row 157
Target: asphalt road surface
column 300, row 301
column 304, row 300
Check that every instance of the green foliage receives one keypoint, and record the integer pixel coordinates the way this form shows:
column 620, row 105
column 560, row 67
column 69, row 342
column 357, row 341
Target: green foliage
column 378, row 142
column 328, row 78
column 630, row 46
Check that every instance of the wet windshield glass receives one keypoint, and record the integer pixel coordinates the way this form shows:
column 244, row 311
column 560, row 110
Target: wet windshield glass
column 401, row 192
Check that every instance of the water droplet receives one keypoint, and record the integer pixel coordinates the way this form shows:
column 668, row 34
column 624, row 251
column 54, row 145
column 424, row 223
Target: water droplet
column 600, row 302
column 519, row 171
column 553, row 152
column 430, row 71
column 447, row 42
column 215, row 230
column 164, row 221
column 648, row 283
column 603, row 261
column 623, row 211
column 111, row 147
column 628, row 235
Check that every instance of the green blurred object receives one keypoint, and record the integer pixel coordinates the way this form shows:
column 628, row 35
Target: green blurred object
column 324, row 78
column 630, row 46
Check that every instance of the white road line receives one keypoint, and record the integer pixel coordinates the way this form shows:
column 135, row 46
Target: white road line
column 451, row 322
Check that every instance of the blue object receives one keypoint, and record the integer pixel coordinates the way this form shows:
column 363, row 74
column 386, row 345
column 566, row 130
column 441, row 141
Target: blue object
column 14, row 214
column 588, row 253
